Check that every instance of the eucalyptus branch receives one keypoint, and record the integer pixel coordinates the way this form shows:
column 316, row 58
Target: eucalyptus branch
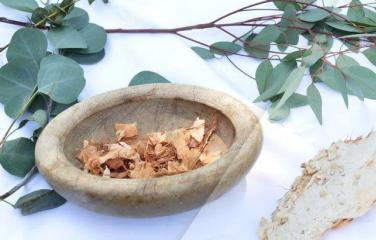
column 14, row 189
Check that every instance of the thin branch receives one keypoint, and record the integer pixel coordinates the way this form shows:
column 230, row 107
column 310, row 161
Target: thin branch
column 238, row 68
column 26, row 179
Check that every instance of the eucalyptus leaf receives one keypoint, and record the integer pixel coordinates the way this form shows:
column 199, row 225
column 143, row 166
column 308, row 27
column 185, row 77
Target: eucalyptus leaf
column 314, row 15
column 288, row 35
column 370, row 53
column 147, row 77
column 39, row 15
column 95, row 37
column 260, row 51
column 60, row 78
column 296, row 55
column 86, row 59
column 340, row 25
column 263, row 72
column 266, row 35
column 17, row 156
column 314, row 100
column 296, row 100
column 17, row 85
column 40, row 116
column 289, row 87
column 66, row 37
column 39, row 200
column 77, row 18
column 278, row 77
column 203, row 52
column 363, row 77
column 279, row 114
column 316, row 54
column 28, row 44
column 22, row 5
column 334, row 79
column 345, row 61
column 225, row 48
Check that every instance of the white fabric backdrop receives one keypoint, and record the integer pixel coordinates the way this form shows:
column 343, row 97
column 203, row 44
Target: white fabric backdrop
column 236, row 215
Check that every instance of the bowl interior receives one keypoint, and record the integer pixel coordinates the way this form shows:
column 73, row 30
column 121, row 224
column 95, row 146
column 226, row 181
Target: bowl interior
column 150, row 115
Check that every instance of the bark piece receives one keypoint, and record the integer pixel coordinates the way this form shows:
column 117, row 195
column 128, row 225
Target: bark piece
column 337, row 186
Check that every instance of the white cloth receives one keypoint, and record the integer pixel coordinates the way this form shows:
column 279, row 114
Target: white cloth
column 235, row 215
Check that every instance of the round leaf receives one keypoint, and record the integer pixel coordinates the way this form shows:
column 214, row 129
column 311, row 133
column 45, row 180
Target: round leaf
column 17, row 156
column 77, row 18
column 22, row 5
column 40, row 116
column 95, row 37
column 27, row 44
column 147, row 77
column 66, row 37
column 17, row 84
column 86, row 58
column 314, row 15
column 60, row 78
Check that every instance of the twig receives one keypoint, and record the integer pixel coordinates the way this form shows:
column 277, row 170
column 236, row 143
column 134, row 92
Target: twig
column 26, row 179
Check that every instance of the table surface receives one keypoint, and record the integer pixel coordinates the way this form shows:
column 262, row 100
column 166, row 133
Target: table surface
column 236, row 214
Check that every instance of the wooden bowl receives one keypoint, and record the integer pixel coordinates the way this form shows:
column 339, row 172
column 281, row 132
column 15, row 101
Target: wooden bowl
column 154, row 107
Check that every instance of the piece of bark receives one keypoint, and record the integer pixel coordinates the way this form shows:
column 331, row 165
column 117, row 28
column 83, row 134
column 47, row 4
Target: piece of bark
column 337, row 186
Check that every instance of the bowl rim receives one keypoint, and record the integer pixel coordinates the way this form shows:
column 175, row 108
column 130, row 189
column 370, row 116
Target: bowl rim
column 50, row 147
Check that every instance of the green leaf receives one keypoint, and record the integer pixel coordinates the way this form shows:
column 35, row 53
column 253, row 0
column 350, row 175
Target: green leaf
column 203, row 52
column 316, row 54
column 363, row 77
column 17, row 156
column 77, row 18
column 86, row 59
column 314, row 15
column 289, row 87
column 276, row 80
column 225, row 48
column 354, row 89
column 267, row 35
column 66, row 37
column 260, row 51
column 40, row 116
column 288, row 35
column 314, row 100
column 370, row 53
column 17, row 84
column 22, row 5
column 36, row 134
column 39, row 200
column 263, row 72
column 296, row 55
column 147, row 77
column 39, row 15
column 42, row 101
column 334, row 79
column 95, row 37
column 340, row 25
column 296, row 100
column 370, row 14
column 345, row 61
column 60, row 78
column 91, row 1
column 28, row 44
column 279, row 114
